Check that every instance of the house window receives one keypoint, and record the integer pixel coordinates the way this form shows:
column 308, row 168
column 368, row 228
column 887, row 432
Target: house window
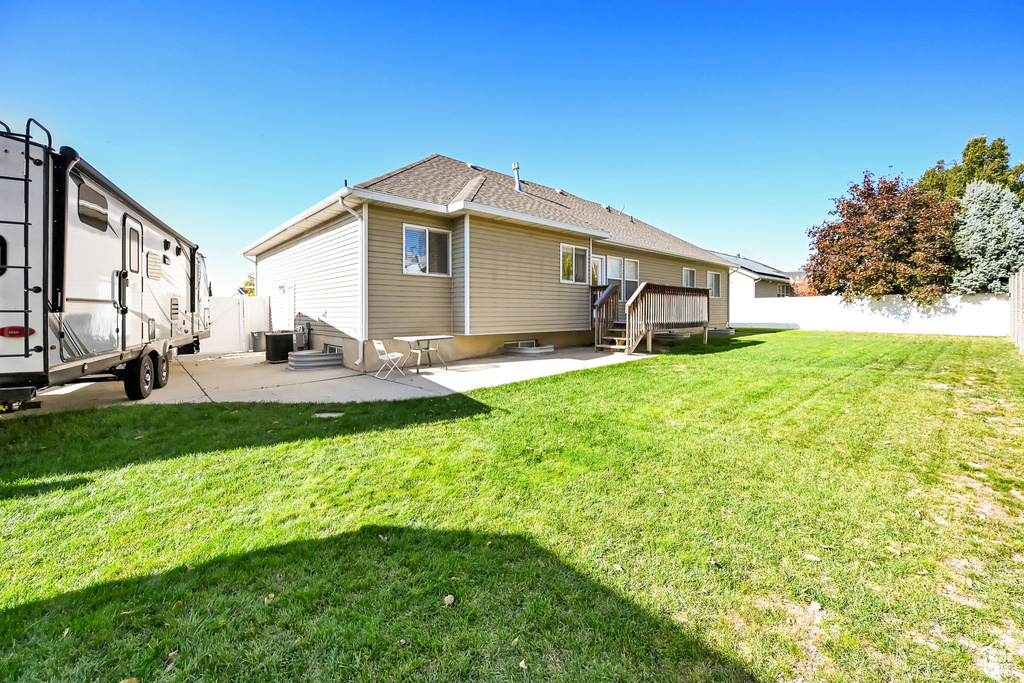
column 689, row 277
column 624, row 272
column 715, row 284
column 426, row 251
column 574, row 264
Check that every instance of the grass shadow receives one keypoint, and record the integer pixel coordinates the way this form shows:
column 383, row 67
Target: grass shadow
column 51, row 444
column 37, row 489
column 366, row 605
column 716, row 344
column 758, row 331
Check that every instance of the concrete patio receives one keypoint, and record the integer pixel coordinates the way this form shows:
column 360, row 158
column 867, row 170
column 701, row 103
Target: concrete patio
column 248, row 377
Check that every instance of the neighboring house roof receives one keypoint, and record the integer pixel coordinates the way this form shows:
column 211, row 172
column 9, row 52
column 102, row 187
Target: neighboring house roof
column 756, row 267
column 443, row 182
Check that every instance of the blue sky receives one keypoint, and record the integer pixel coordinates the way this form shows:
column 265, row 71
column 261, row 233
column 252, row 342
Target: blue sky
column 730, row 124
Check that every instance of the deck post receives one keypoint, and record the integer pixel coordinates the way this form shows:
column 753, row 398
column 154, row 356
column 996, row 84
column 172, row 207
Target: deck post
column 705, row 334
column 650, row 340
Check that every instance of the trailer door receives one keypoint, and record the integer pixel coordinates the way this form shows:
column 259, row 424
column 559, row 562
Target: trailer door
column 95, row 274
column 135, row 333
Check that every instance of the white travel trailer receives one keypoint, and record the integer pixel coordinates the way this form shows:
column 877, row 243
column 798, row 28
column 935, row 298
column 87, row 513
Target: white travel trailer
column 92, row 285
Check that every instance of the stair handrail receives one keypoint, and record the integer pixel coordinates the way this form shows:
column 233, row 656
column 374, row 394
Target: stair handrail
column 605, row 310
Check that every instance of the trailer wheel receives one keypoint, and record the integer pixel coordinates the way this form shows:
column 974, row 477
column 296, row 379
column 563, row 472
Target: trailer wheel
column 139, row 377
column 163, row 372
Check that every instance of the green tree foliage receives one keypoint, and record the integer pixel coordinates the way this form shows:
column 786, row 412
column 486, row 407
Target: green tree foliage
column 981, row 161
column 989, row 239
column 889, row 237
column 249, row 286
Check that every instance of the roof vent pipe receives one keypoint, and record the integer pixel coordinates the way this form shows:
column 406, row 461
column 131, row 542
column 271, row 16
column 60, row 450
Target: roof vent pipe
column 515, row 169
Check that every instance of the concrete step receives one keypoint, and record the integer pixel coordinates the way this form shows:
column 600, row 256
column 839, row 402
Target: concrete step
column 613, row 347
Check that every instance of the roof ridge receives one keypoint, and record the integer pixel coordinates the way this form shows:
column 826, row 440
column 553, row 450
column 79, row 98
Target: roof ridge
column 446, row 180
column 392, row 174
column 469, row 190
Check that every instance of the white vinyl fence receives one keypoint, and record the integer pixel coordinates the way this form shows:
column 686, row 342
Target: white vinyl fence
column 1017, row 308
column 233, row 319
column 974, row 314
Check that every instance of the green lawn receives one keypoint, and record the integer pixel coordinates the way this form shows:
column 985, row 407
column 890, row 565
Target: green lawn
column 779, row 505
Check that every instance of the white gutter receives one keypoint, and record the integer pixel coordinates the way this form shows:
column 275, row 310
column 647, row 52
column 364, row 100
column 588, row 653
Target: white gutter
column 453, row 208
column 363, row 307
column 503, row 213
column 630, row 245
column 316, row 208
column 364, row 284
column 465, row 271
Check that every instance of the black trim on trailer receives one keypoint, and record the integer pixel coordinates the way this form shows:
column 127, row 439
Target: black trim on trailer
column 105, row 182
column 61, row 168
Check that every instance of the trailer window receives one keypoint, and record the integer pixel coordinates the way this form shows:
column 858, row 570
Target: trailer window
column 92, row 206
column 133, row 250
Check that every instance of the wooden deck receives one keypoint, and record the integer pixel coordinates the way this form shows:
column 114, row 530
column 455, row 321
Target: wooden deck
column 650, row 309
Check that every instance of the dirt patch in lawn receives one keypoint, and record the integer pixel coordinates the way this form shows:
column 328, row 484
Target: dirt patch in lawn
column 979, row 498
column 803, row 625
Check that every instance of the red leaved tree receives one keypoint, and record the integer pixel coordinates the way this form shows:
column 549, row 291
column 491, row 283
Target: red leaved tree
column 889, row 237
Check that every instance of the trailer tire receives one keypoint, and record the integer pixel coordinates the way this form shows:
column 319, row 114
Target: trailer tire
column 139, row 378
column 163, row 372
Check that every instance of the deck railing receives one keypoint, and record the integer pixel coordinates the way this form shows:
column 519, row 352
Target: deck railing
column 663, row 307
column 604, row 300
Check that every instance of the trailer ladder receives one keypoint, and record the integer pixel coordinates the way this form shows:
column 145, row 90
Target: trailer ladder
column 26, row 224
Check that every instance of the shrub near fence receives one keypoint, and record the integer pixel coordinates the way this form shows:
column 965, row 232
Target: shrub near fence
column 1017, row 308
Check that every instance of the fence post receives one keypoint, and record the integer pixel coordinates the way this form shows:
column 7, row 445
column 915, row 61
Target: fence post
column 1017, row 308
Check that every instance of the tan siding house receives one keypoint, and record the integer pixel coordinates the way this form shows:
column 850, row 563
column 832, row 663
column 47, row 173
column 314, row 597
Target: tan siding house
column 506, row 264
column 399, row 303
column 441, row 247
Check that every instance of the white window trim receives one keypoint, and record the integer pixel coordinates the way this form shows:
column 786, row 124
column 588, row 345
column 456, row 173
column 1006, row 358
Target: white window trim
column 720, row 278
column 586, row 278
column 692, row 270
column 429, row 230
column 623, row 280
column 602, row 272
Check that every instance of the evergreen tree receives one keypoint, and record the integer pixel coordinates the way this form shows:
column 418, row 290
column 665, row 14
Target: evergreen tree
column 989, row 239
column 981, row 161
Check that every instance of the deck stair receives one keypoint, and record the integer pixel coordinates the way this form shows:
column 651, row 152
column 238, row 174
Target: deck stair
column 616, row 338
column 651, row 309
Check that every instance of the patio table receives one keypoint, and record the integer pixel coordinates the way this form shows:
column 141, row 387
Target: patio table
column 422, row 344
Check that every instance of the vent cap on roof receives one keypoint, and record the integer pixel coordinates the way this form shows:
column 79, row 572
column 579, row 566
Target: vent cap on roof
column 475, row 168
column 515, row 169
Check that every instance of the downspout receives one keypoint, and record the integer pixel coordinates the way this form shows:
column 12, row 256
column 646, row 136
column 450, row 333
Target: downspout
column 363, row 304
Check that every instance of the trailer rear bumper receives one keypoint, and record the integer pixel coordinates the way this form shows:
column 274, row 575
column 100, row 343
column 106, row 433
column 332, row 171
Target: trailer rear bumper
column 13, row 397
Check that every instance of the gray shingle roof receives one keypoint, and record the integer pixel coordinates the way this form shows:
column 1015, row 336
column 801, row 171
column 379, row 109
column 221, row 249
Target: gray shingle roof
column 442, row 180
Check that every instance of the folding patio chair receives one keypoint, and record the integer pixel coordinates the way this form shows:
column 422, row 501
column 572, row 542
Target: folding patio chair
column 390, row 359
